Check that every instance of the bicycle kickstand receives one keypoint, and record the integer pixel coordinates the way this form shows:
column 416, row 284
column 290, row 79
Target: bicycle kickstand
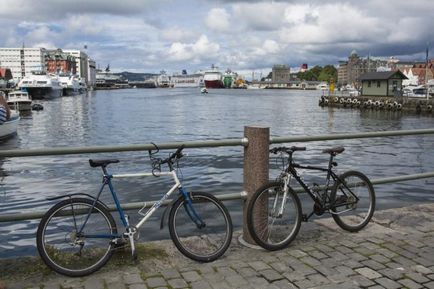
column 130, row 234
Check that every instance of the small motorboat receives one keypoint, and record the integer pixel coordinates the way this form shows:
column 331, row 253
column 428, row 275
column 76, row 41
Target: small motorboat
column 9, row 127
column 204, row 90
column 19, row 100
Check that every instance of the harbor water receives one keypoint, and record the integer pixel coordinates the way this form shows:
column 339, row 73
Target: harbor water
column 138, row 116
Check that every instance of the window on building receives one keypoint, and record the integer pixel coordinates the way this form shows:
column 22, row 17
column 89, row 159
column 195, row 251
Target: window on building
column 369, row 83
column 378, row 83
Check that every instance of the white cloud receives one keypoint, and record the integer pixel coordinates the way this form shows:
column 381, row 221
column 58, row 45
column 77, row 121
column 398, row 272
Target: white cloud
column 177, row 34
column 218, row 19
column 202, row 48
column 258, row 16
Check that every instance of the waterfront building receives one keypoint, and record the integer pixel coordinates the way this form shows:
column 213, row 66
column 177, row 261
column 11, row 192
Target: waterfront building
column 59, row 62
column 22, row 61
column 349, row 71
column 91, row 80
column 384, row 83
column 280, row 73
column 82, row 63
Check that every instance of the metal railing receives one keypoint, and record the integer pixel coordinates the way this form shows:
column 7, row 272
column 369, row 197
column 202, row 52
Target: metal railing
column 202, row 144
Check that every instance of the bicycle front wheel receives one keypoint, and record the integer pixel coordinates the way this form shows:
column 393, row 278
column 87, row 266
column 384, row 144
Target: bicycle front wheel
column 69, row 249
column 352, row 201
column 201, row 231
column 273, row 217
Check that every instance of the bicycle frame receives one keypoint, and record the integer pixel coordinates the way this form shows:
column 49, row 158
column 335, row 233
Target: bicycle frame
column 321, row 200
column 107, row 181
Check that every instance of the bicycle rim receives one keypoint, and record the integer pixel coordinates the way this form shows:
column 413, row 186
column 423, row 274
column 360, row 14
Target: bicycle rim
column 203, row 244
column 61, row 246
column 354, row 200
column 270, row 225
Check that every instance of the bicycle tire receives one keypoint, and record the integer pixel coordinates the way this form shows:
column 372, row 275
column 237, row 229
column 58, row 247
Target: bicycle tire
column 353, row 215
column 58, row 243
column 279, row 234
column 201, row 244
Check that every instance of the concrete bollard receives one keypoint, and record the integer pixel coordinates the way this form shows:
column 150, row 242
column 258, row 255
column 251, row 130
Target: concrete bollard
column 256, row 166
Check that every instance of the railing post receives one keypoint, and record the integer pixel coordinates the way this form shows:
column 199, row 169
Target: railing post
column 256, row 164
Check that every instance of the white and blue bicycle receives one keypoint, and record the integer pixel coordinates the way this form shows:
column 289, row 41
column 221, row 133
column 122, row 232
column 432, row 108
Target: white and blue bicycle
column 78, row 235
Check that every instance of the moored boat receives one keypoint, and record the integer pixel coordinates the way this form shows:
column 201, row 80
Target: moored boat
column 9, row 128
column 213, row 78
column 70, row 84
column 39, row 85
column 19, row 100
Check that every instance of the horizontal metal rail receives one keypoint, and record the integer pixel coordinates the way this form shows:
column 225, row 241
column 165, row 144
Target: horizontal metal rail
column 225, row 197
column 350, row 135
column 202, row 144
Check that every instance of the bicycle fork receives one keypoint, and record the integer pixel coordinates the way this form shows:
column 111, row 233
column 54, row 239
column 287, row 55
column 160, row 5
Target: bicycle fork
column 277, row 211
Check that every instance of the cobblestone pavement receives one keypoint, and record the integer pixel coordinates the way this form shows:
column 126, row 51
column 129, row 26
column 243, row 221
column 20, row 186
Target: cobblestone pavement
column 396, row 250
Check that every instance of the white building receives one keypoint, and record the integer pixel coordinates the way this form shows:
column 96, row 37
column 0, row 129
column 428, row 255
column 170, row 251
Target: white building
column 82, row 61
column 22, row 61
column 91, row 80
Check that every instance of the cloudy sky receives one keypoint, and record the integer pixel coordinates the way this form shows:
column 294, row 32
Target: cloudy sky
column 152, row 35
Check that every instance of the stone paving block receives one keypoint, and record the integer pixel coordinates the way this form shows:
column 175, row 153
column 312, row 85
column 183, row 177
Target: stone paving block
column 388, row 283
column 344, row 250
column 429, row 285
column 356, row 256
column 393, row 274
column 297, row 253
column 293, row 276
column 93, row 283
column 138, row 286
column 344, row 270
column 226, row 271
column 284, row 284
column 362, row 281
column 170, row 274
column 326, row 270
column 259, row 265
column 421, row 269
column 132, row 278
column 177, row 283
column 338, row 256
column 386, row 252
column 417, row 277
column 380, row 258
column 202, row 284
column 236, row 281
column 271, row 275
column 221, row 285
column 324, row 248
column 310, row 261
column 318, row 255
column 115, row 285
column 258, row 282
column 373, row 264
column 156, row 282
column 280, row 267
column 404, row 261
column 368, row 273
column 304, row 284
column 191, row 276
column 318, row 279
column 247, row 272
column 410, row 284
column 363, row 251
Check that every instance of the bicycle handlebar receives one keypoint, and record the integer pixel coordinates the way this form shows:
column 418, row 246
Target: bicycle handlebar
column 157, row 162
column 288, row 150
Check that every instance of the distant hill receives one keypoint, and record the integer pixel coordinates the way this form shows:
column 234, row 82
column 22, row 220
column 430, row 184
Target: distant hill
column 133, row 76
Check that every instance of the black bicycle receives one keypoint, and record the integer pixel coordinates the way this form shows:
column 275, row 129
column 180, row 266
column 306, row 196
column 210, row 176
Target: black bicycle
column 274, row 213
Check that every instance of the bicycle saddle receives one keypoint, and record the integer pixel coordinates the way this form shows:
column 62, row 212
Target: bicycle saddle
column 335, row 150
column 102, row 163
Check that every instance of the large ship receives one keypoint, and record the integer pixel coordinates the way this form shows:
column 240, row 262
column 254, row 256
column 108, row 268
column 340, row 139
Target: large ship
column 213, row 78
column 41, row 85
column 163, row 80
column 187, row 80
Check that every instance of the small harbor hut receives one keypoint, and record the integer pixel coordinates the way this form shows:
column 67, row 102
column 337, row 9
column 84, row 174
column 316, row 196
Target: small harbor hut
column 382, row 83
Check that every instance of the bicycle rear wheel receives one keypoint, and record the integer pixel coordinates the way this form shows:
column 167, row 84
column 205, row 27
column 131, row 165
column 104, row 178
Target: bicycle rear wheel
column 271, row 226
column 65, row 250
column 353, row 201
column 206, row 243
